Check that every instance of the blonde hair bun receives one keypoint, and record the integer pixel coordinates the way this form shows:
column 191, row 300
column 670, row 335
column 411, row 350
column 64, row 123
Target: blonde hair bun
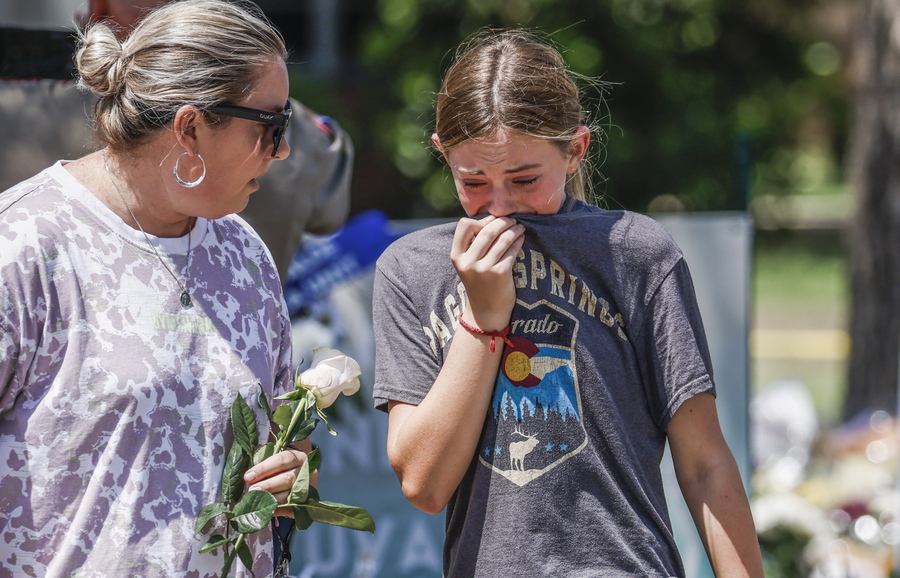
column 99, row 61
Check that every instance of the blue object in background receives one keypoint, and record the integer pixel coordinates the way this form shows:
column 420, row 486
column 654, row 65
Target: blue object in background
column 323, row 262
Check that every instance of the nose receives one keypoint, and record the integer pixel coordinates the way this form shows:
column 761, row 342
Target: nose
column 284, row 149
column 502, row 203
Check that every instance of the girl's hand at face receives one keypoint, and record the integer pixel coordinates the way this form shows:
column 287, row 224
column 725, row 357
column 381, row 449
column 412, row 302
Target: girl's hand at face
column 484, row 252
column 276, row 475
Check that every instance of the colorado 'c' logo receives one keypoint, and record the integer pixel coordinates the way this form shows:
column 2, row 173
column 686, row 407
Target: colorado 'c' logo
column 521, row 365
column 517, row 362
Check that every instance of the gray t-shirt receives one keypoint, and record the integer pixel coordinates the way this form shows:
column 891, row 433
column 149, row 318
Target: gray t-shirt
column 607, row 344
column 115, row 399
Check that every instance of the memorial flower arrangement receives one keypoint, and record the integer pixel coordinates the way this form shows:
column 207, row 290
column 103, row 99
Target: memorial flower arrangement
column 829, row 508
column 330, row 374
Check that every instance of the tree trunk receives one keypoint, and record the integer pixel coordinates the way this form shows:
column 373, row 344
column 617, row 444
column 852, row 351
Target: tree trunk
column 874, row 236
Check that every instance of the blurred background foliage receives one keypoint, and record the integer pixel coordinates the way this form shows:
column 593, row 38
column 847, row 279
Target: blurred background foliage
column 711, row 104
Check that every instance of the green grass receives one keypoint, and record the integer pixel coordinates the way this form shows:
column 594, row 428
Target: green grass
column 800, row 282
column 802, row 276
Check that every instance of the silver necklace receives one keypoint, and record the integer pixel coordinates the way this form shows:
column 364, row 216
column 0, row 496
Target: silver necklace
column 185, row 297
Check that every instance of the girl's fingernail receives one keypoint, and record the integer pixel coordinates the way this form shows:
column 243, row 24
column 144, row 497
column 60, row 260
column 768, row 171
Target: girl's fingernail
column 250, row 476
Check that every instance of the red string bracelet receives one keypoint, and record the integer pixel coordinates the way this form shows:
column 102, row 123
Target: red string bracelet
column 493, row 334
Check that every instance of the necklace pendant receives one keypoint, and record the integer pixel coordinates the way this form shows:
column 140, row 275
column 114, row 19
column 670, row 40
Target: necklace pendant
column 185, row 299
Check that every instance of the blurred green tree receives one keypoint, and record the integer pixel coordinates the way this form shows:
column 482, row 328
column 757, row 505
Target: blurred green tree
column 693, row 86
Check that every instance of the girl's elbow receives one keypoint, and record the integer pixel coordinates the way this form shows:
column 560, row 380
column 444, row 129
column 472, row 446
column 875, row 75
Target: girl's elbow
column 420, row 486
column 423, row 497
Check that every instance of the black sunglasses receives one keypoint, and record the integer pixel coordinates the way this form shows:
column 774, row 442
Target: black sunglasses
column 280, row 120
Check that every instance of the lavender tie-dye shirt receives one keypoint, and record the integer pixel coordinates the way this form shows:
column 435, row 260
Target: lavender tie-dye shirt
column 115, row 399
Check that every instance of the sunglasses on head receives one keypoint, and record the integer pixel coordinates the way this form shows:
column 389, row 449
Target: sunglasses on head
column 280, row 120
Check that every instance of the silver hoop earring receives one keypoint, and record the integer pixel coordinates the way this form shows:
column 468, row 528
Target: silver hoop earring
column 184, row 183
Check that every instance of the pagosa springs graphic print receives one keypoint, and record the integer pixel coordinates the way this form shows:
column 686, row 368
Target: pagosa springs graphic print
column 534, row 423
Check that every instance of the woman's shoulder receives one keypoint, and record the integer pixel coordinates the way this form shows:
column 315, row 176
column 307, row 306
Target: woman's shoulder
column 234, row 225
column 238, row 255
column 235, row 232
column 33, row 193
column 38, row 207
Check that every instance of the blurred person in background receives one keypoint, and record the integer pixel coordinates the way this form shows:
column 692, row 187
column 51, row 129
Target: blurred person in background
column 44, row 118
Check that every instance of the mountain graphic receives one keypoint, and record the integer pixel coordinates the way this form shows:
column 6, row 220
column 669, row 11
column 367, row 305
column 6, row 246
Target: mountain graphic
column 556, row 391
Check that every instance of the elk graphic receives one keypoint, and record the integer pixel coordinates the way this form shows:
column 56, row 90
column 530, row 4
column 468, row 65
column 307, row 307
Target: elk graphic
column 518, row 450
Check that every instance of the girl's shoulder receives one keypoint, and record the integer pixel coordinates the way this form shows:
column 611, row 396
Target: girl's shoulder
column 616, row 233
column 637, row 231
column 420, row 244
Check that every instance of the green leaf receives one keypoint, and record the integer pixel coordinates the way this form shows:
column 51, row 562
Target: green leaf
column 243, row 423
column 300, row 489
column 253, row 512
column 246, row 557
column 302, row 430
column 263, row 452
column 322, row 417
column 214, row 542
column 284, row 413
column 302, row 519
column 263, row 401
column 233, row 475
column 340, row 515
column 292, row 395
column 208, row 513
column 314, row 458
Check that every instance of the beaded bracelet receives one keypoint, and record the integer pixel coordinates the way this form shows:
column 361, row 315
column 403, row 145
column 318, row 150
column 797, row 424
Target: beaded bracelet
column 493, row 334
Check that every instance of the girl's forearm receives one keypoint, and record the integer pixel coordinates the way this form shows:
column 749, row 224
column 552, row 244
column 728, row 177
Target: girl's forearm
column 432, row 445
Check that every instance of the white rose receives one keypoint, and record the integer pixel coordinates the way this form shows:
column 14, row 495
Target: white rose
column 331, row 374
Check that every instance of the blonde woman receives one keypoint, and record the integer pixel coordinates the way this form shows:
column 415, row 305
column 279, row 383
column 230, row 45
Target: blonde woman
column 536, row 357
column 135, row 306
